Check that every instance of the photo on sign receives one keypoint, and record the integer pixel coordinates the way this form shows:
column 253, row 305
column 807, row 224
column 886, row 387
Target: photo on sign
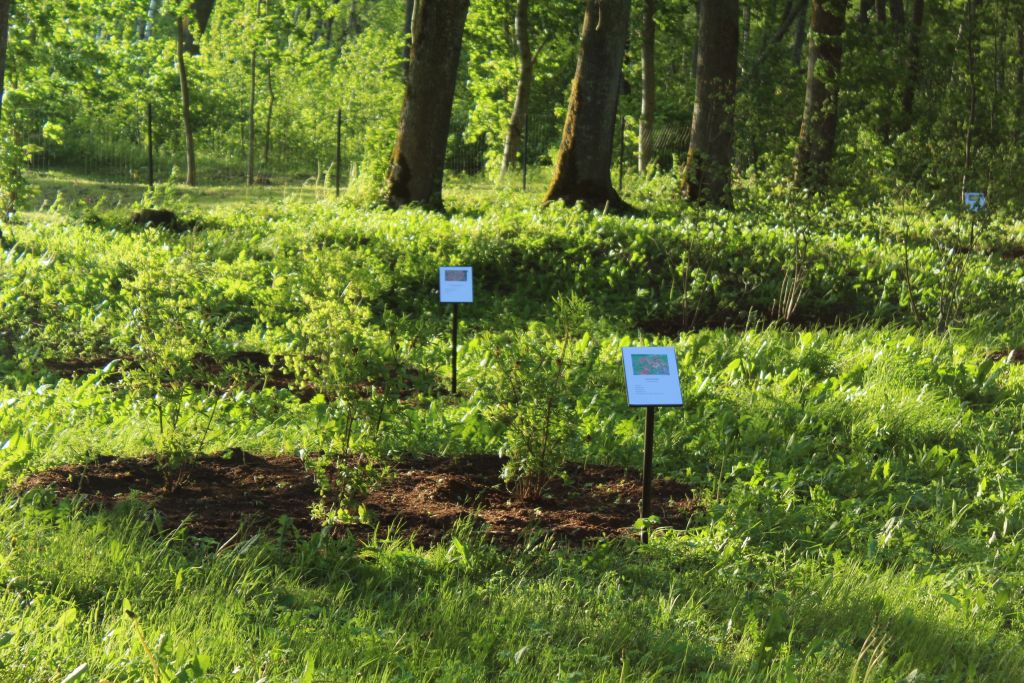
column 975, row 201
column 650, row 364
column 652, row 376
column 456, row 276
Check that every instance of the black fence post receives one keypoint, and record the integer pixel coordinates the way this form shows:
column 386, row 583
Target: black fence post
column 337, row 159
column 455, row 349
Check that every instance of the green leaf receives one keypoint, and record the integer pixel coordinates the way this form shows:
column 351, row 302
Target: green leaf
column 309, row 670
column 75, row 675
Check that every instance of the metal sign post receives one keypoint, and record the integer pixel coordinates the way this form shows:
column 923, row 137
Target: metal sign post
column 456, row 286
column 652, row 381
column 455, row 349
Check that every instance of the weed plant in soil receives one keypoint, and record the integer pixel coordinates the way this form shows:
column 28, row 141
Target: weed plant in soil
column 851, row 432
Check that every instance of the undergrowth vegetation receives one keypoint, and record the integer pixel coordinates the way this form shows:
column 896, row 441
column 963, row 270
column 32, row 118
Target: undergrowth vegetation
column 851, row 427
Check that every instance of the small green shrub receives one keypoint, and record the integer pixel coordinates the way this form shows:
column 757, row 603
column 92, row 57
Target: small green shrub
column 536, row 381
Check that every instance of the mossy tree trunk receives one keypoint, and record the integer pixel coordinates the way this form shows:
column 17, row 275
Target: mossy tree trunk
column 417, row 161
column 708, row 173
column 817, row 143
column 583, row 168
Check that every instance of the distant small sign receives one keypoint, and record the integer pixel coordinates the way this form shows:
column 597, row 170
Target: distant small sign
column 652, row 376
column 456, row 284
column 975, row 201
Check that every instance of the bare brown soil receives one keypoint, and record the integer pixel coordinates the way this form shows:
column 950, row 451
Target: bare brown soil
column 422, row 498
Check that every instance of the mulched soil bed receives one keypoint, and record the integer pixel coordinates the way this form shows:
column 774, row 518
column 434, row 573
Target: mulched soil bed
column 423, row 497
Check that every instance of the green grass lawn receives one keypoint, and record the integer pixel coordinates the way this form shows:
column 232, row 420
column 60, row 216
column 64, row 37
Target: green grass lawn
column 76, row 190
column 852, row 439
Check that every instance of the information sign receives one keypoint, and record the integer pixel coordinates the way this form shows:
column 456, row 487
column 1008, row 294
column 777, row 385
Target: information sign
column 456, row 284
column 652, row 376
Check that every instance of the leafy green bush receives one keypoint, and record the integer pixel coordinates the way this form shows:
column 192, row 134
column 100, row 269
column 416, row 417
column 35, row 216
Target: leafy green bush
column 538, row 377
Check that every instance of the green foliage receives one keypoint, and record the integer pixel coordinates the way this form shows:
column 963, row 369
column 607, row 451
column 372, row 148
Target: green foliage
column 14, row 186
column 858, row 484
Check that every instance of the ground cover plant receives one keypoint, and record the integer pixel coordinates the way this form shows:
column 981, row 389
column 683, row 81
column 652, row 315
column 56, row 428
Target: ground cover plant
column 848, row 470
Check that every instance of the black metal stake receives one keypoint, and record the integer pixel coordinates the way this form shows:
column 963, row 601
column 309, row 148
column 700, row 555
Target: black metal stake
column 645, row 505
column 149, row 140
column 337, row 160
column 455, row 349
column 526, row 142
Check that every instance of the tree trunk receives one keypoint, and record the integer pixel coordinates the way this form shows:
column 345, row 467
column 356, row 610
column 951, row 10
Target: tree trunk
column 1020, row 82
column 817, row 142
column 972, row 94
column 410, row 10
column 5, row 21
column 202, row 10
column 250, row 170
column 800, row 35
column 583, row 169
column 649, row 86
column 514, row 137
column 914, row 68
column 151, row 13
column 417, row 162
column 709, row 160
column 693, row 62
column 186, row 111
column 897, row 12
column 880, row 11
column 865, row 8
column 250, row 167
column 270, row 116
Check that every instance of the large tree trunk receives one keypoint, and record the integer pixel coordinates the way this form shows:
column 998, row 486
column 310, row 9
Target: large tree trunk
column 186, row 108
column 709, row 162
column 649, row 86
column 914, row 67
column 514, row 137
column 202, row 9
column 417, row 162
column 817, row 142
column 583, row 169
column 5, row 21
